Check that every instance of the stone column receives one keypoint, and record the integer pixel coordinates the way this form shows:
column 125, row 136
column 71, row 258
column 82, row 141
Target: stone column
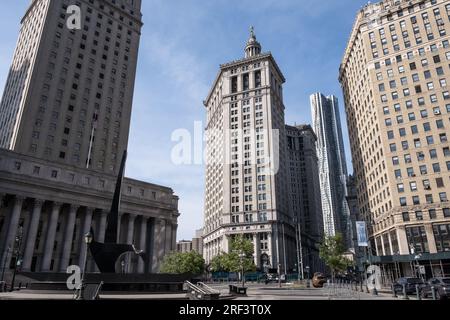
column 168, row 238
column 142, row 244
column 270, row 246
column 257, row 249
column 50, row 238
column 12, row 231
column 430, row 237
column 102, row 227
column 68, row 238
column 158, row 244
column 225, row 243
column 130, row 230
column 174, row 236
column 383, row 249
column 403, row 241
column 32, row 233
column 86, row 227
column 130, row 238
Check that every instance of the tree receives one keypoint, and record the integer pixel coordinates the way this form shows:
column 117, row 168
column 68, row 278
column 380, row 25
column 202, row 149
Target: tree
column 219, row 263
column 332, row 253
column 180, row 263
column 240, row 246
column 232, row 262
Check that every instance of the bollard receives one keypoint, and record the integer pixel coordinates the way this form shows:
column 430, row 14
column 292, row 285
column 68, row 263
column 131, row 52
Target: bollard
column 433, row 292
column 361, row 286
column 375, row 291
column 418, row 293
column 405, row 296
column 394, row 293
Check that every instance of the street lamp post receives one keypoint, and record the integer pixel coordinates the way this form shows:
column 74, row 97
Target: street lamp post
column 298, row 238
column 122, row 264
column 17, row 251
column 279, row 274
column 416, row 259
column 88, row 240
column 307, row 275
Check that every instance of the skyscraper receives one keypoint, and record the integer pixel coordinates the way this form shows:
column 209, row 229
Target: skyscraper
column 394, row 76
column 305, row 192
column 332, row 166
column 246, row 181
column 64, row 123
column 69, row 93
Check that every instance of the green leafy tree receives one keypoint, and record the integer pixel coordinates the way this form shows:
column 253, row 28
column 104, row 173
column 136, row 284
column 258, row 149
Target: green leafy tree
column 232, row 261
column 180, row 263
column 241, row 246
column 332, row 252
column 219, row 263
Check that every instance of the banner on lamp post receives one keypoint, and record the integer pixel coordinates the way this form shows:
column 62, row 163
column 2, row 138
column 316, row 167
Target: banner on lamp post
column 362, row 234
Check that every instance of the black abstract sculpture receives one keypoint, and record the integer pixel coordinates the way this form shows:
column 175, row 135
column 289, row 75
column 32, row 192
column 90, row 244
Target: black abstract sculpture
column 106, row 254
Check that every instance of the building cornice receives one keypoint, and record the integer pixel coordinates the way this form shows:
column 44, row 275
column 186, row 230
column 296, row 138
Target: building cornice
column 240, row 62
column 369, row 14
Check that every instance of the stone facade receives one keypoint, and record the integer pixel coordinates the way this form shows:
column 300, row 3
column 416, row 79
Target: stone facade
column 56, row 205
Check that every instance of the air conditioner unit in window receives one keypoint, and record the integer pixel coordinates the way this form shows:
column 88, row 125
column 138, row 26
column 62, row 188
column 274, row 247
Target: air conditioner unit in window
column 427, row 187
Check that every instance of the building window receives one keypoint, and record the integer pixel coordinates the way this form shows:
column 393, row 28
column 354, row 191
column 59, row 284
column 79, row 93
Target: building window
column 54, row 174
column 234, row 85
column 446, row 212
column 403, row 202
column 419, row 215
column 417, row 238
column 405, row 216
column 257, row 79
column 432, row 213
column 245, row 82
column 442, row 237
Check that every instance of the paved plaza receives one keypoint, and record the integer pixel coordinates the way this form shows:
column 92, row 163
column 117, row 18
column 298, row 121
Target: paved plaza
column 255, row 292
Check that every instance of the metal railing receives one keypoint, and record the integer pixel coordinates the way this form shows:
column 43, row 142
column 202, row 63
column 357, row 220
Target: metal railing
column 207, row 288
column 200, row 291
column 342, row 290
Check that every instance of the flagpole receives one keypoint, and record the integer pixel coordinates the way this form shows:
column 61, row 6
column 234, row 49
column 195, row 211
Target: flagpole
column 91, row 142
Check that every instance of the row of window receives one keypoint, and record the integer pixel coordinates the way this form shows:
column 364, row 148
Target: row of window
column 416, row 199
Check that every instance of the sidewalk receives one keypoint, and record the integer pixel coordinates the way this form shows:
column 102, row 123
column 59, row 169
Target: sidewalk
column 60, row 296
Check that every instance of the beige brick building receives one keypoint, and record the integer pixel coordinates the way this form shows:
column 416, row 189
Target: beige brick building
column 246, row 175
column 395, row 77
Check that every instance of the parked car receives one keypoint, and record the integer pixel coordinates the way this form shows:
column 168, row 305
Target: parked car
column 441, row 285
column 410, row 284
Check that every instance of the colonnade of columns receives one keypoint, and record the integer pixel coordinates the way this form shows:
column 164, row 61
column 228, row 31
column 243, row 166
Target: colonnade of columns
column 53, row 235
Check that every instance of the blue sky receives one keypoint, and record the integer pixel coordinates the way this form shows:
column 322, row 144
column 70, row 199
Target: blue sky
column 184, row 42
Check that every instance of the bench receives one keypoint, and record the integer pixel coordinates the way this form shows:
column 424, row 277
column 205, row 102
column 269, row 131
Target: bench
column 238, row 290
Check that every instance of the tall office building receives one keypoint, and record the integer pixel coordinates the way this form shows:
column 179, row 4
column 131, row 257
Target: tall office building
column 69, row 93
column 68, row 99
column 305, row 193
column 395, row 75
column 332, row 166
column 246, row 181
